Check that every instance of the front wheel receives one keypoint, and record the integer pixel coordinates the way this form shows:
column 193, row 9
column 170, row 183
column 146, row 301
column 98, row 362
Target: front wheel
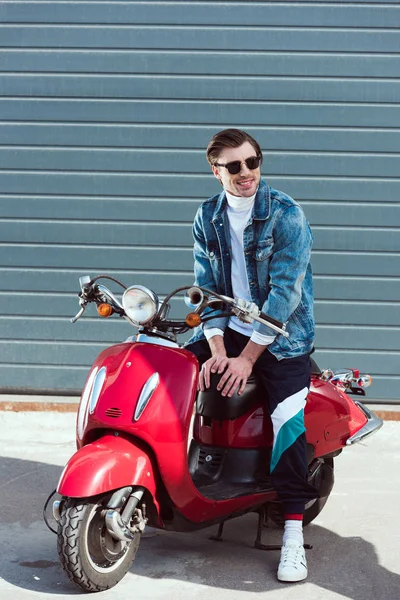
column 91, row 557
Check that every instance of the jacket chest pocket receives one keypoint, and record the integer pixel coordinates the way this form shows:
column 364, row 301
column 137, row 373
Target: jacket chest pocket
column 264, row 250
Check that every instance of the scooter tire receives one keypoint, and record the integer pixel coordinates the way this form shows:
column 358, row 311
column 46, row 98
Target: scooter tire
column 91, row 558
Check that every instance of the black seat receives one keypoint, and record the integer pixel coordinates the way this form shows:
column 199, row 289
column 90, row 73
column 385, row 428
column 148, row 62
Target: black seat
column 211, row 404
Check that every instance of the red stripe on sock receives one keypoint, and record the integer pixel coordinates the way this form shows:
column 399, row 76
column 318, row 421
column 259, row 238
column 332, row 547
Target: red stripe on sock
column 294, row 517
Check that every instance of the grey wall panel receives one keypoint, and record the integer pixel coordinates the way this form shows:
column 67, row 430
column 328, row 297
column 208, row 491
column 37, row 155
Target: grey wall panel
column 336, row 312
column 177, row 234
column 105, row 112
column 133, row 258
column 284, row 14
column 184, row 186
column 181, row 210
column 111, row 330
column 68, row 353
column 201, row 38
column 327, row 288
column 25, row 139
column 202, row 87
column 341, row 164
column 264, row 114
column 201, row 63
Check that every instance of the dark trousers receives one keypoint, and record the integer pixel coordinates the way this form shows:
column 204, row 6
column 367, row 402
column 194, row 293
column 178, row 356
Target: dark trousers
column 286, row 383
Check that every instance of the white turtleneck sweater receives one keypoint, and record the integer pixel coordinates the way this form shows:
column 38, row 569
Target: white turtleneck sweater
column 239, row 212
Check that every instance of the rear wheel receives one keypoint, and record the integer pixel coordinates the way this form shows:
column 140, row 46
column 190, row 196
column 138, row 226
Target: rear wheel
column 321, row 477
column 91, row 557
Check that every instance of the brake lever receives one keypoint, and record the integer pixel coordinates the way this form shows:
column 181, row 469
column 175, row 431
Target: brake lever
column 79, row 314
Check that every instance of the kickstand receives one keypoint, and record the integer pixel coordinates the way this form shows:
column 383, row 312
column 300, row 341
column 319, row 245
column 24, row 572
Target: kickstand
column 262, row 521
column 218, row 537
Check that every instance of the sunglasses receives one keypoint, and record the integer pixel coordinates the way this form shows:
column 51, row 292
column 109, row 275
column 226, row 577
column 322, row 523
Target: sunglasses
column 234, row 167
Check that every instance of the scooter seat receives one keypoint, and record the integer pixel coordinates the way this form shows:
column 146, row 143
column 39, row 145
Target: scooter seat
column 211, row 404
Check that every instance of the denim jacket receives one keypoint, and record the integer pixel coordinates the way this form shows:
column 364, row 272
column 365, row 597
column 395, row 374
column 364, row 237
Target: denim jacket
column 277, row 246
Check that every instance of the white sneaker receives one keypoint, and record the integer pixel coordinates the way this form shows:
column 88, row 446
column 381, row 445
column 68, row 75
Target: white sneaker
column 293, row 564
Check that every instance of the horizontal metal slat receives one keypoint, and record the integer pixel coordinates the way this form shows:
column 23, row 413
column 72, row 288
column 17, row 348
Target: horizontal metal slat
column 201, row 88
column 32, row 377
column 73, row 378
column 55, row 330
column 201, row 63
column 99, row 258
column 106, row 136
column 177, row 161
column 326, row 312
column 178, row 234
column 224, row 113
column 116, row 330
column 175, row 210
column 193, row 13
column 58, row 280
column 326, row 287
column 187, row 186
column 200, row 38
column 156, row 234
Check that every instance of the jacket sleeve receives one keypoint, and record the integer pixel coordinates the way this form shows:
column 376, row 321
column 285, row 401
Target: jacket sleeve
column 203, row 272
column 288, row 266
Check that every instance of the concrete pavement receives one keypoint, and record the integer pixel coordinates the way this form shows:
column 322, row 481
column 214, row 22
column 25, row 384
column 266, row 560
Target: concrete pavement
column 356, row 537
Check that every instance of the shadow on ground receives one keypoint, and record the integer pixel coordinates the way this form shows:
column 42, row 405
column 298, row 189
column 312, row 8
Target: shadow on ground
column 347, row 566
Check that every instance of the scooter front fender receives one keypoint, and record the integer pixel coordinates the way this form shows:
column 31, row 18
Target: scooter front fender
column 109, row 463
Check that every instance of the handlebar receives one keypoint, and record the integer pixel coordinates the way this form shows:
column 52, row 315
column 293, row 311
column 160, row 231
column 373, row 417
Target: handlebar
column 199, row 298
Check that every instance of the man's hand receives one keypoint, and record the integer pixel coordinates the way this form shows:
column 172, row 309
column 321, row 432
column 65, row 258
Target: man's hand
column 236, row 375
column 215, row 364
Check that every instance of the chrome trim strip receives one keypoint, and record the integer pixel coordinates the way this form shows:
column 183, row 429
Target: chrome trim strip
column 373, row 424
column 145, row 395
column 147, row 339
column 96, row 389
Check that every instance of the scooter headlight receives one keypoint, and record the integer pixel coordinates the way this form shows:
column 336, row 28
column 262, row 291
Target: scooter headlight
column 140, row 304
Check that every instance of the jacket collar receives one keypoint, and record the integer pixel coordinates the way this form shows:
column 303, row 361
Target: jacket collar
column 262, row 203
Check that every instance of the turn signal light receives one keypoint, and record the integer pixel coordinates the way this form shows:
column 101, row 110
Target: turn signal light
column 105, row 310
column 365, row 381
column 193, row 320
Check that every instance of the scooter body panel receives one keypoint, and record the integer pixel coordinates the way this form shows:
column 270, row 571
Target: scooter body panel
column 110, row 463
column 165, row 422
column 331, row 417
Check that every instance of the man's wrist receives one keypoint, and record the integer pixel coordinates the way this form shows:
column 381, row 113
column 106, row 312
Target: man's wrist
column 249, row 359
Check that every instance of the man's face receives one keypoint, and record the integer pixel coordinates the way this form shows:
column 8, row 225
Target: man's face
column 245, row 182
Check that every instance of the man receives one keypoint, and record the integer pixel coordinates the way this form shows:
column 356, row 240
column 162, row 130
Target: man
column 254, row 242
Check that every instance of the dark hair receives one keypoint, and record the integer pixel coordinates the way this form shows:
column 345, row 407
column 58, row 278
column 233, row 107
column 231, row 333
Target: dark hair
column 229, row 138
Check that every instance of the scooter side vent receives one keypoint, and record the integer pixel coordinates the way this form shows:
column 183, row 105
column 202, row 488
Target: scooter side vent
column 210, row 460
column 113, row 412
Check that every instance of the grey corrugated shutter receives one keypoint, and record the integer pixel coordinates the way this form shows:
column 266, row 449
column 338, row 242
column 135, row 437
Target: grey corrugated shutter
column 105, row 111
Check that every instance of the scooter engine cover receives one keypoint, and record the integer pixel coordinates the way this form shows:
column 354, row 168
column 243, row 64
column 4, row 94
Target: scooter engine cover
column 212, row 404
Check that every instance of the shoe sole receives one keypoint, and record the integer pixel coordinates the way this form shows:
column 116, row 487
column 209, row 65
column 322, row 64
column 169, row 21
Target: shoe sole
column 287, row 580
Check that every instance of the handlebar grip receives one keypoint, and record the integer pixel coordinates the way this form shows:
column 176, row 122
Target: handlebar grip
column 273, row 321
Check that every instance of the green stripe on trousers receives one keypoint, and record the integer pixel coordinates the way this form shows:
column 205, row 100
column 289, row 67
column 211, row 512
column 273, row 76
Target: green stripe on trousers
column 288, row 434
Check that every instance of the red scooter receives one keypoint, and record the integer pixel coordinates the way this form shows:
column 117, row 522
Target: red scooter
column 141, row 457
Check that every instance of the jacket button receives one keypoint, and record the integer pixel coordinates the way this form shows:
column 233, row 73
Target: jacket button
column 211, row 253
